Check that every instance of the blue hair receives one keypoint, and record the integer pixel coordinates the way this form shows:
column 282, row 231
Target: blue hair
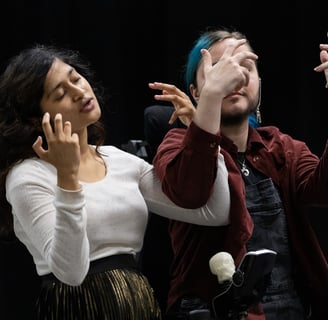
column 253, row 122
column 205, row 41
column 194, row 57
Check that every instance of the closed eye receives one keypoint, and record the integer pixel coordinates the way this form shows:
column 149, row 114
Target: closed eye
column 76, row 79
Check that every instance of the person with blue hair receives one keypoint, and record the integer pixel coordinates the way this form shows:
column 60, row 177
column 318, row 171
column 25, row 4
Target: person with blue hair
column 273, row 178
column 206, row 41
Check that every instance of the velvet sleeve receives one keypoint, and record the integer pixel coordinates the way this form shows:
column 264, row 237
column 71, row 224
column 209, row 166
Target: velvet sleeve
column 186, row 162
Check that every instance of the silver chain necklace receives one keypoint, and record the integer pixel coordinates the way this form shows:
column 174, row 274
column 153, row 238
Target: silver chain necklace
column 242, row 165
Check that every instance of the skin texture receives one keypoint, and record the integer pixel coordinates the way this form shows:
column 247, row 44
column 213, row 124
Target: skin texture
column 69, row 105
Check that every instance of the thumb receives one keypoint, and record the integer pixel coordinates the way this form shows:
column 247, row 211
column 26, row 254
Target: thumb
column 37, row 147
column 207, row 60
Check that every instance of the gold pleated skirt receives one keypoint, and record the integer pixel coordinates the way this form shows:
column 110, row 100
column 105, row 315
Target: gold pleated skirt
column 119, row 294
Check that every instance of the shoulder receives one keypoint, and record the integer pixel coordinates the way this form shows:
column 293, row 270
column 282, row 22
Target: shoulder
column 32, row 165
column 274, row 133
column 192, row 134
column 268, row 130
column 31, row 171
column 110, row 150
column 274, row 139
column 114, row 154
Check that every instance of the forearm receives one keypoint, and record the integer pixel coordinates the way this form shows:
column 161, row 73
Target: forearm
column 186, row 163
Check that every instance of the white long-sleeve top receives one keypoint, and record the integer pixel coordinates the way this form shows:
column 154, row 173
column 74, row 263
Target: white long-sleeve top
column 65, row 230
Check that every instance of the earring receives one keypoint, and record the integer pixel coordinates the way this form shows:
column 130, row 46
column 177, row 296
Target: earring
column 258, row 115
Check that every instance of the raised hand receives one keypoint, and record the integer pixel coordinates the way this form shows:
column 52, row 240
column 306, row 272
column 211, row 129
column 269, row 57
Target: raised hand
column 63, row 150
column 231, row 72
column 324, row 61
column 184, row 108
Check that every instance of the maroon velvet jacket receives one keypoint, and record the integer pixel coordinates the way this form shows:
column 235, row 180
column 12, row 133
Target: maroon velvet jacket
column 186, row 164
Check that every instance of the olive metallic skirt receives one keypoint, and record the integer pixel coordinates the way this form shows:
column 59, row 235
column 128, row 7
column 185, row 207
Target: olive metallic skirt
column 114, row 289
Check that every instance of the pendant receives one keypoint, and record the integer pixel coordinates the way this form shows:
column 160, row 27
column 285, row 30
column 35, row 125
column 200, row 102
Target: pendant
column 244, row 171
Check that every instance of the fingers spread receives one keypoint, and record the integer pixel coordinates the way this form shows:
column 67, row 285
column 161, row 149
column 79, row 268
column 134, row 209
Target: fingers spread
column 46, row 126
column 58, row 124
column 67, row 128
column 232, row 46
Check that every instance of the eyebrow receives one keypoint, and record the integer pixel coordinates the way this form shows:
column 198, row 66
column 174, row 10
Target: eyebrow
column 70, row 71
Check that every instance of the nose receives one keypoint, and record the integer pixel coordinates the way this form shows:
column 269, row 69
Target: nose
column 77, row 92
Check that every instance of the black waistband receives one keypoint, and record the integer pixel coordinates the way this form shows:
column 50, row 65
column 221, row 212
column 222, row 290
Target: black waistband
column 117, row 261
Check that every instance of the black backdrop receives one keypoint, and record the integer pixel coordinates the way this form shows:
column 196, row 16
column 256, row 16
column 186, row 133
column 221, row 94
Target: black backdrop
column 132, row 43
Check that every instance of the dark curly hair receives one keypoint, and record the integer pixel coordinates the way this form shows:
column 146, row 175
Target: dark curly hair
column 21, row 90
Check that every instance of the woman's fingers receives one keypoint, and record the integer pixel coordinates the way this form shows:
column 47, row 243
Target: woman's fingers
column 38, row 149
column 46, row 126
column 58, row 126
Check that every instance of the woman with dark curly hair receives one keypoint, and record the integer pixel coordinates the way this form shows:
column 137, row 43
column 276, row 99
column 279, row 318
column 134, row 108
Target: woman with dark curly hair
column 80, row 207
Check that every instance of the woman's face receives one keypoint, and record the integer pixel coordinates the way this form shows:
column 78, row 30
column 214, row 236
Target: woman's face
column 68, row 93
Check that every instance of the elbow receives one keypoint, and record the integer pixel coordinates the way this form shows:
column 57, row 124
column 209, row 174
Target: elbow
column 217, row 221
column 221, row 221
column 72, row 276
column 218, row 210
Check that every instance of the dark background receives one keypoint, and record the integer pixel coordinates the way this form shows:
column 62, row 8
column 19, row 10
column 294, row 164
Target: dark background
column 133, row 43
